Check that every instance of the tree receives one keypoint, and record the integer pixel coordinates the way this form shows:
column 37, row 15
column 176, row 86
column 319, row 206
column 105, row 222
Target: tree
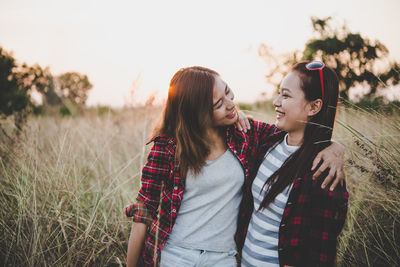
column 18, row 82
column 355, row 59
column 35, row 78
column 13, row 97
column 74, row 86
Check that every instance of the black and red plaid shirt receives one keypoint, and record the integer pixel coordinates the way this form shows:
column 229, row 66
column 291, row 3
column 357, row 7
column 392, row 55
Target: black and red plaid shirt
column 311, row 222
column 161, row 180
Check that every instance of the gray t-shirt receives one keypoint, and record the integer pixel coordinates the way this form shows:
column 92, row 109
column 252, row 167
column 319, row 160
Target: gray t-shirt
column 207, row 218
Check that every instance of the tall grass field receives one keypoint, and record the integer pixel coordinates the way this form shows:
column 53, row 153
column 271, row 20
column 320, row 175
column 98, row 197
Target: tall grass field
column 64, row 183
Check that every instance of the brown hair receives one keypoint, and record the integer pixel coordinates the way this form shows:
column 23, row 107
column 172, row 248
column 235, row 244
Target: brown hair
column 188, row 114
column 317, row 134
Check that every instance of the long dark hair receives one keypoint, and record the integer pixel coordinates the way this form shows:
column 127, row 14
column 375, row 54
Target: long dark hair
column 317, row 134
column 188, row 114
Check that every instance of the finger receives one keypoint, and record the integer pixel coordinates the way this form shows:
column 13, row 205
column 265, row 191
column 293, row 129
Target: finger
column 237, row 125
column 333, row 186
column 247, row 124
column 340, row 174
column 343, row 174
column 320, row 170
column 244, row 125
column 329, row 178
column 242, row 122
column 250, row 117
column 316, row 161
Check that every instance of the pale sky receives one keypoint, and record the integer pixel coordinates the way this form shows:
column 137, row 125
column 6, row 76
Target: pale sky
column 115, row 42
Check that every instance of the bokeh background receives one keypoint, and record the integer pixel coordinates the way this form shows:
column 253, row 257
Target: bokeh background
column 82, row 84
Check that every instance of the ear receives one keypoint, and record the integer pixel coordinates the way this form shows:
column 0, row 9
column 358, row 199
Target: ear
column 314, row 107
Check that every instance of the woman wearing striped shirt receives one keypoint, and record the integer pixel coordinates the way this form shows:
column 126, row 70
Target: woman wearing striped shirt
column 295, row 222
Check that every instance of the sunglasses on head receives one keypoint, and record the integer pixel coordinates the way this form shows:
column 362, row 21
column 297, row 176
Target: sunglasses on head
column 318, row 65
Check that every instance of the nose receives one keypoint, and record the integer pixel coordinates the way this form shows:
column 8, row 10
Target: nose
column 230, row 104
column 277, row 101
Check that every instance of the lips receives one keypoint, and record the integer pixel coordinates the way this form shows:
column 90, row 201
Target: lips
column 279, row 114
column 231, row 116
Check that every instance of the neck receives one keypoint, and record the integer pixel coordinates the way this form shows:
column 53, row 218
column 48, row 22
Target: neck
column 215, row 137
column 295, row 138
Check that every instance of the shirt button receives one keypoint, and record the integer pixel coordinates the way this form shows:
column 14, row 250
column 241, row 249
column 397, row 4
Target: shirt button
column 173, row 210
column 175, row 188
column 283, row 225
column 289, row 203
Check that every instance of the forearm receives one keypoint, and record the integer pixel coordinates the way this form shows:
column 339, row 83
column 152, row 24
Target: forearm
column 136, row 240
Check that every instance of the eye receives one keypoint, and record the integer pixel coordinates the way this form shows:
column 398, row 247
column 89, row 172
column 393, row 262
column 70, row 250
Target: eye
column 218, row 106
column 230, row 94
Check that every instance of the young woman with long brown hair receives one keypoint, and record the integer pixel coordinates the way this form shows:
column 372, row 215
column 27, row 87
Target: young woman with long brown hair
column 294, row 221
column 191, row 186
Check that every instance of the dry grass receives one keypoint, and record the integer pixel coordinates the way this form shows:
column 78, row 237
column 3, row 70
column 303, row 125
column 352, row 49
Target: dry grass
column 64, row 183
column 372, row 233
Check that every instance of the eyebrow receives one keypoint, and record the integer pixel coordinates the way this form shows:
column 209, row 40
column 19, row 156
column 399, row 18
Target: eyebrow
column 219, row 100
column 285, row 89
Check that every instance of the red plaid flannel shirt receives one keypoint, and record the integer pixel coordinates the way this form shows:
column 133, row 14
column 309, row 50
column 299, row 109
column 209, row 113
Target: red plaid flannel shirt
column 312, row 219
column 160, row 176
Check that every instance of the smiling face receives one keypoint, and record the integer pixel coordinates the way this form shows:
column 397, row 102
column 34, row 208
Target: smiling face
column 291, row 106
column 224, row 112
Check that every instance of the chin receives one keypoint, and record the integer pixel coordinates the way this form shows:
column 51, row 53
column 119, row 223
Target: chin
column 225, row 121
column 229, row 122
column 281, row 126
column 278, row 124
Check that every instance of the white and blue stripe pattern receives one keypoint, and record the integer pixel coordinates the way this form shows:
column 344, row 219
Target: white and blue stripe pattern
column 261, row 245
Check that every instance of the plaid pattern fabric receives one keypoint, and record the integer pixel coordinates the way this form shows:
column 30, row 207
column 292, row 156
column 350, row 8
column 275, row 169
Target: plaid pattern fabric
column 161, row 183
column 312, row 220
column 139, row 213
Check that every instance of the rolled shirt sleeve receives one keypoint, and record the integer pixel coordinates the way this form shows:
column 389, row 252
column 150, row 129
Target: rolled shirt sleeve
column 139, row 213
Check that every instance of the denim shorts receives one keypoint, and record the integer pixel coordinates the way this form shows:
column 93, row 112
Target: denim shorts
column 174, row 256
